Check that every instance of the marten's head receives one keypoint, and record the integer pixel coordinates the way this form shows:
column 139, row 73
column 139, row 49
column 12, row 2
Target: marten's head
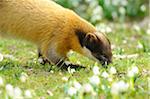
column 96, row 45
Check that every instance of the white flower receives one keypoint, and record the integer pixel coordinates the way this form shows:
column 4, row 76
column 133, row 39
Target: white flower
column 10, row 90
column 65, row 79
column 77, row 85
column 122, row 10
column 23, row 77
column 105, row 74
column 143, row 8
column 1, row 57
column 103, row 87
column 108, row 30
column 136, row 27
column 94, row 80
column 72, row 91
column 149, row 84
column 52, row 71
column 49, row 92
column 1, row 81
column 119, row 87
column 87, row 88
column 124, row 41
column 17, row 93
column 140, row 45
column 96, row 70
column 28, row 94
column 112, row 70
column 133, row 71
column 78, row 62
column 148, row 31
column 110, row 79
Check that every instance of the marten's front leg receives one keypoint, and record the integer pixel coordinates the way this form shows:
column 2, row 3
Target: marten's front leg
column 53, row 57
column 41, row 59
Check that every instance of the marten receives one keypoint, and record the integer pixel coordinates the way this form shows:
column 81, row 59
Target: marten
column 54, row 29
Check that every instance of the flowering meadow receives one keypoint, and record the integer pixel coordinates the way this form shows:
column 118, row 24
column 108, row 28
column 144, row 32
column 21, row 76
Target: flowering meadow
column 128, row 77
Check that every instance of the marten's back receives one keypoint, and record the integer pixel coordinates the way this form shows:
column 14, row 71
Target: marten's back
column 30, row 19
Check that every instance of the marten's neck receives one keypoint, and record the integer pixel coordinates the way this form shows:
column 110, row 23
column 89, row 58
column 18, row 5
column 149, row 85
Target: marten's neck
column 80, row 24
column 84, row 26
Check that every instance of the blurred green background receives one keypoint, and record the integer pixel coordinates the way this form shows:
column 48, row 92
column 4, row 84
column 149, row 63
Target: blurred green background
column 114, row 10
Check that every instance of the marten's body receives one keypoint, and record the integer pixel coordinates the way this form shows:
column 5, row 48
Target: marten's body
column 54, row 29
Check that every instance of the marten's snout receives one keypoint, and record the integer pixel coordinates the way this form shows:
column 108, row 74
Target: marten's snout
column 104, row 60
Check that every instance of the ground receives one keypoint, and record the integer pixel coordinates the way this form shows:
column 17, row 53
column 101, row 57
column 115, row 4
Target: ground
column 130, row 45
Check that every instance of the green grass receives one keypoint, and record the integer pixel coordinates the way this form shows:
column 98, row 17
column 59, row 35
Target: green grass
column 40, row 79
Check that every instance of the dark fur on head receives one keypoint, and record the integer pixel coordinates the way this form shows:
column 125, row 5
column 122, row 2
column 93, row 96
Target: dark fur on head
column 98, row 44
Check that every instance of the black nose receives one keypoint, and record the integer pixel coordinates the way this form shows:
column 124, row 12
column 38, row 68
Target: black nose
column 104, row 61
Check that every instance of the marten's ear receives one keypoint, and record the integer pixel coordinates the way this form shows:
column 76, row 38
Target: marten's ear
column 90, row 41
column 87, row 39
column 90, row 38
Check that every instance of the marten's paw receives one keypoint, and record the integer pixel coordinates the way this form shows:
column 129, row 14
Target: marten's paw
column 43, row 60
column 65, row 65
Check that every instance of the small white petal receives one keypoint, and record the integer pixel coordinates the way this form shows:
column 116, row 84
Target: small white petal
column 96, row 70
column 72, row 91
column 65, row 79
column 133, row 71
column 108, row 30
column 122, row 10
column 140, row 46
column 130, row 74
column 105, row 74
column 110, row 79
column 1, row 57
column 17, row 93
column 52, row 71
column 119, row 87
column 10, row 90
column 87, row 88
column 23, row 77
column 103, row 87
column 136, row 28
column 28, row 94
column 143, row 8
column 149, row 84
column 94, row 80
column 112, row 70
column 77, row 85
column 1, row 81
column 50, row 93
column 148, row 31
column 123, row 86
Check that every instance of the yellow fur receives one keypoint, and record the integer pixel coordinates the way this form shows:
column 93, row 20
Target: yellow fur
column 44, row 23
